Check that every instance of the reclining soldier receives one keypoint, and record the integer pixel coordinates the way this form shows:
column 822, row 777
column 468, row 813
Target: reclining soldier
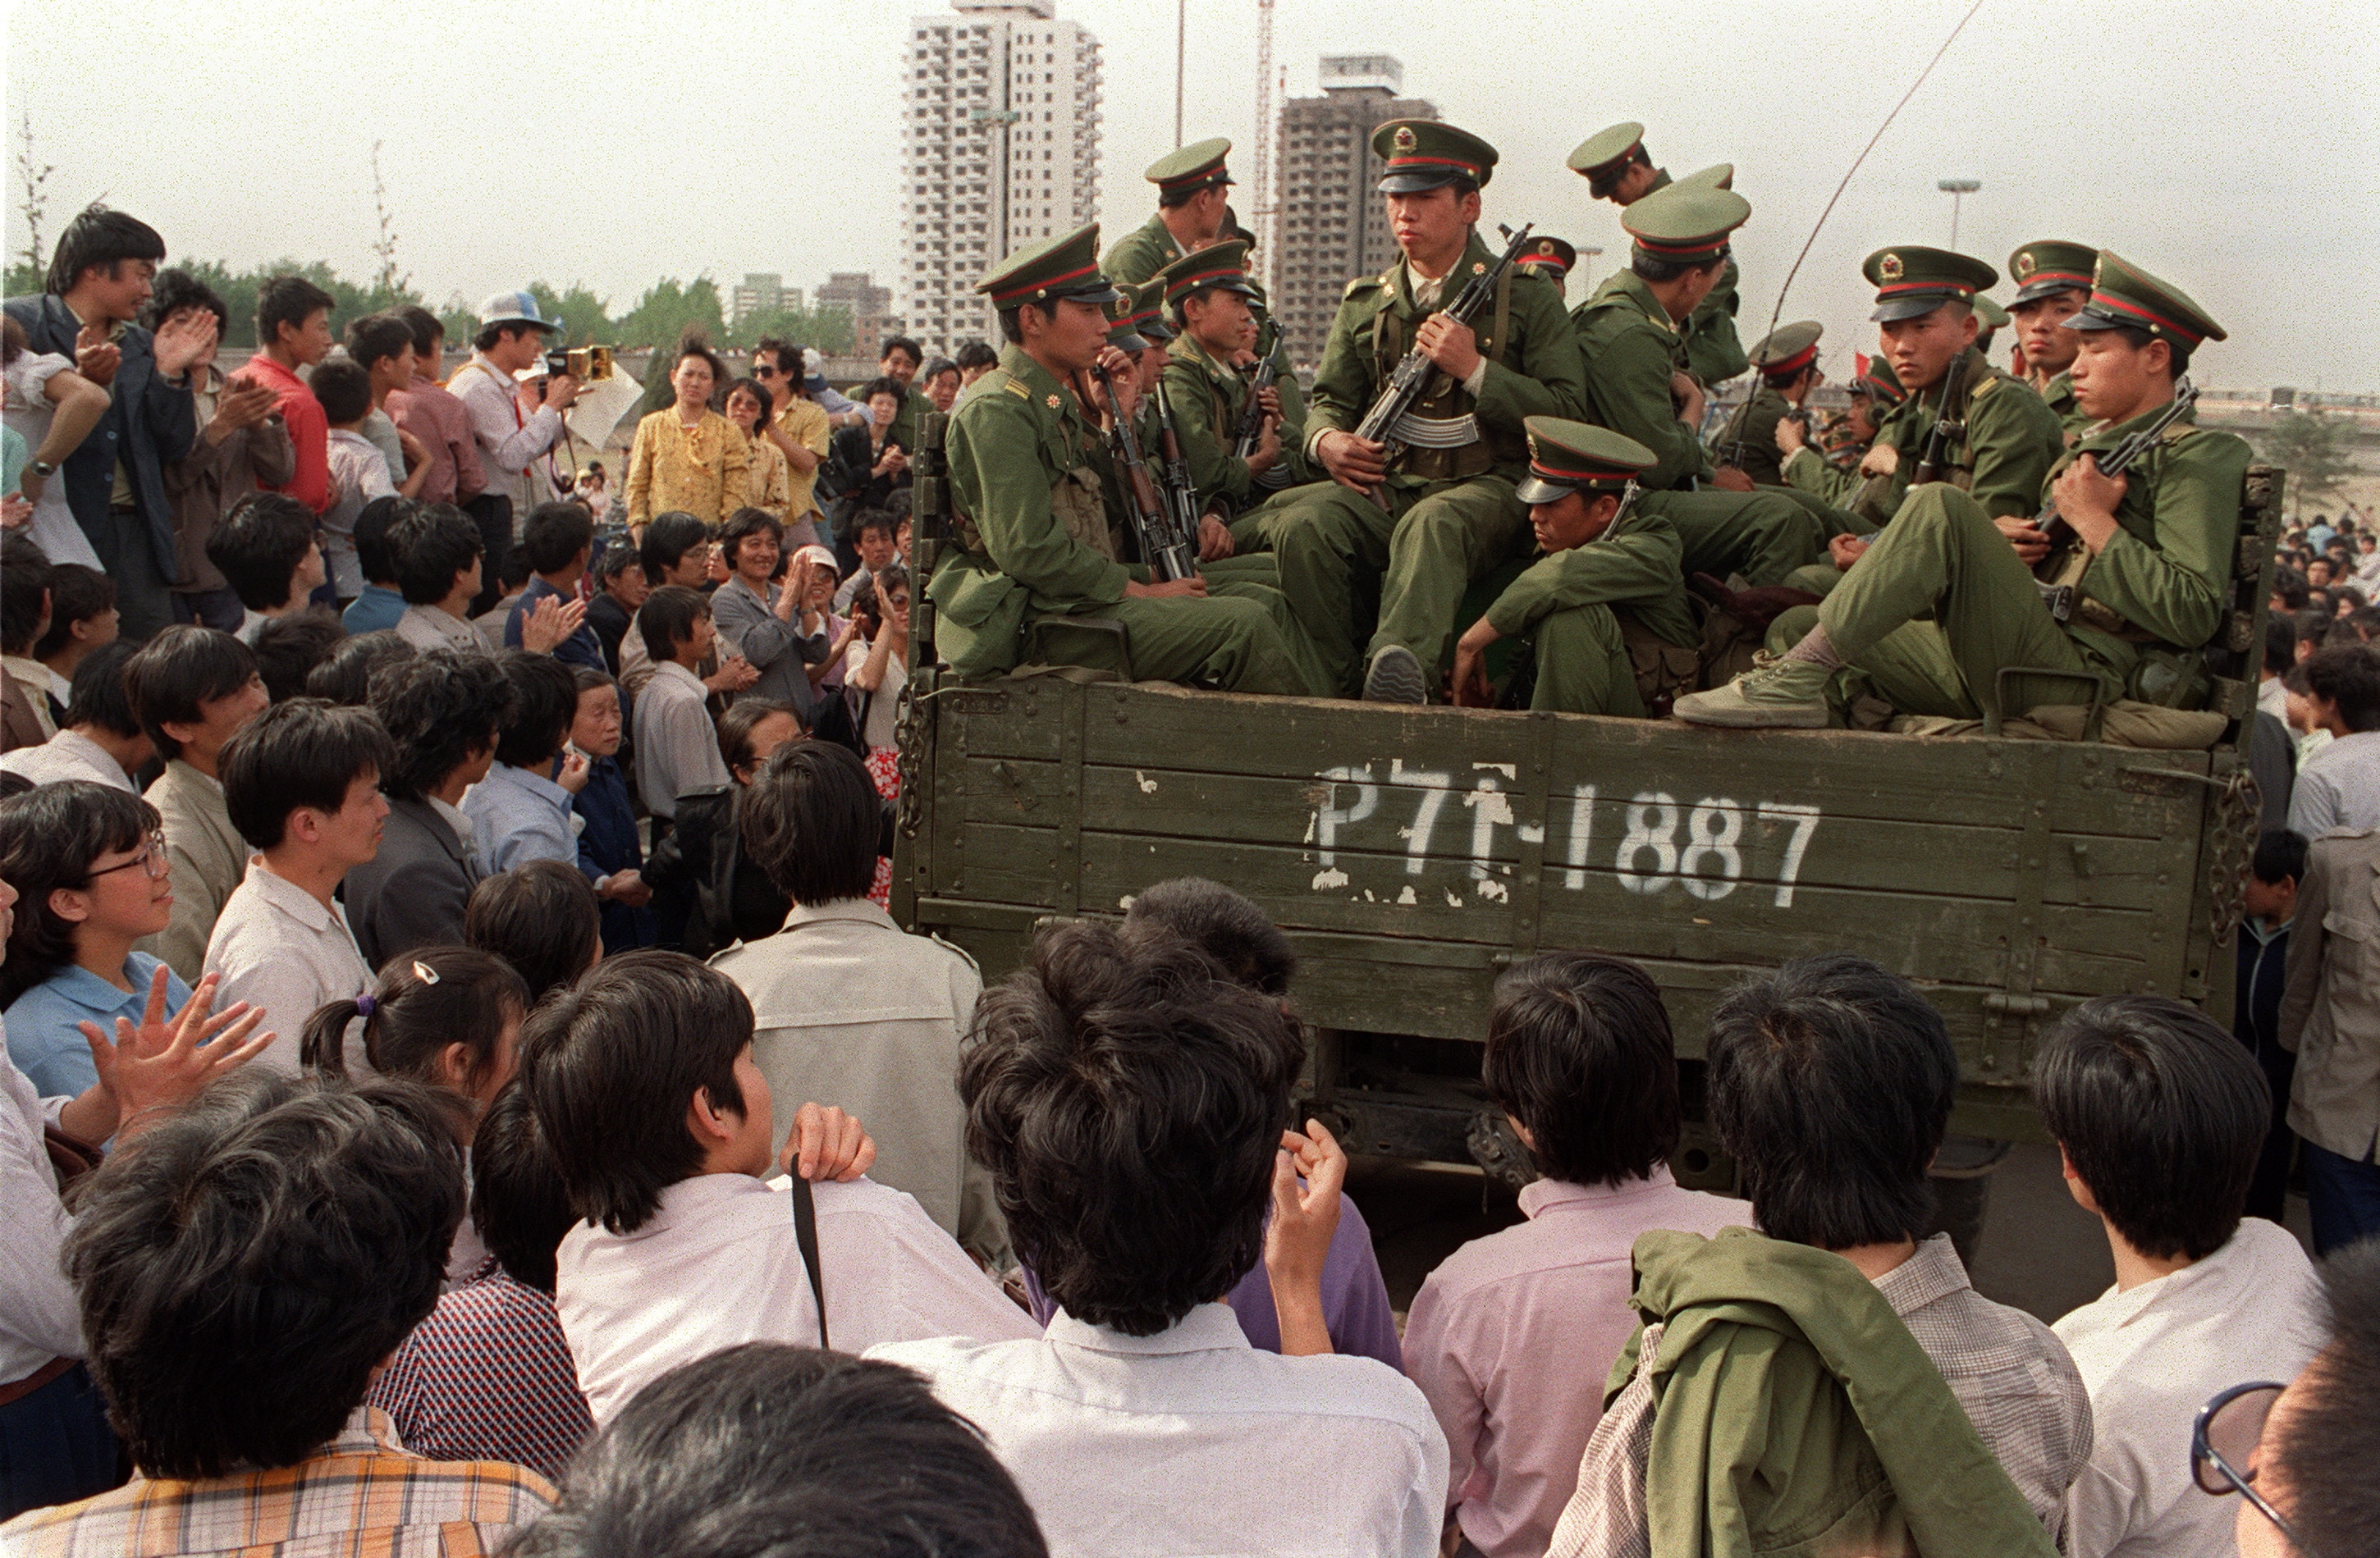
column 1420, row 527
column 1605, row 607
column 2156, row 544
column 1034, row 539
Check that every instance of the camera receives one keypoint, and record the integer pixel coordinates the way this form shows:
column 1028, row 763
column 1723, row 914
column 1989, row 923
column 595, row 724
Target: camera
column 585, row 364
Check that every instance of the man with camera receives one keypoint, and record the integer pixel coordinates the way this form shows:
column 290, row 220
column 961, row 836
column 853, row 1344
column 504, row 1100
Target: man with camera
column 515, row 425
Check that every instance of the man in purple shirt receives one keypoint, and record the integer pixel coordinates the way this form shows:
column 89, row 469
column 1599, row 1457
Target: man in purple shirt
column 1512, row 1338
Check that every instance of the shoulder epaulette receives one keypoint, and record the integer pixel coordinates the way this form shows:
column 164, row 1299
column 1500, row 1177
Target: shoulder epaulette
column 2179, row 431
column 1977, row 392
column 1016, row 387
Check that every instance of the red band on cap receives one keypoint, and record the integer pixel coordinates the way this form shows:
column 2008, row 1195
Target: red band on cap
column 1554, row 473
column 1090, row 270
column 1209, row 171
column 1555, row 260
column 1710, row 245
column 1408, row 159
column 1793, row 364
column 2123, row 305
column 2070, row 277
column 1959, row 289
column 1188, row 283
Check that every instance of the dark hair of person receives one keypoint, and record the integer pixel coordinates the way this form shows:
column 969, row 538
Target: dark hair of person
column 518, row 1207
column 615, row 562
column 812, row 820
column 259, row 545
column 2290, row 586
column 1830, row 1080
column 936, row 368
column 873, row 519
column 1656, row 269
column 24, row 591
column 884, row 385
column 611, row 1063
column 868, row 600
column 98, row 236
column 97, row 696
column 13, row 342
column 902, row 344
column 441, row 710
column 376, row 336
column 427, row 334
column 373, row 557
column 245, row 1264
column 542, row 918
column 694, row 343
column 666, row 619
column 976, row 353
column 49, row 836
column 175, row 290
column 488, row 336
column 793, row 1453
column 344, row 388
column 667, row 541
column 179, row 669
column 2313, row 621
column 760, row 395
column 302, row 753
column 513, row 572
column 77, row 595
column 2328, row 1441
column 2280, row 857
column 290, row 300
column 555, row 534
column 429, row 546
column 735, row 728
column 1579, row 1053
column 1128, row 1100
column 1227, row 926
column 1012, row 323
column 2139, row 339
column 423, row 1001
column 2348, row 676
column 746, row 523
column 545, row 700
column 790, row 359
column 585, row 678
column 290, row 649
column 12, row 783
column 2162, row 1115
column 2280, row 642
column 346, row 676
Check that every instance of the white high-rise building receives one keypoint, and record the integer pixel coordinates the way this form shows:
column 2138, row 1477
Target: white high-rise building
column 1001, row 150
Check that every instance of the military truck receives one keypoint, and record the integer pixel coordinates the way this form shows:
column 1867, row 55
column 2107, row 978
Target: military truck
column 1413, row 854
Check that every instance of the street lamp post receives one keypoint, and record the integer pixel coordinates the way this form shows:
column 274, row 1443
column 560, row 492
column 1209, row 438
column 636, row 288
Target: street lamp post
column 1957, row 190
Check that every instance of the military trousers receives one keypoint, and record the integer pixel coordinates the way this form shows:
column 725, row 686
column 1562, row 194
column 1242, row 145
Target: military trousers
column 1763, row 535
column 1584, row 665
column 1232, row 642
column 1942, row 553
column 1338, row 550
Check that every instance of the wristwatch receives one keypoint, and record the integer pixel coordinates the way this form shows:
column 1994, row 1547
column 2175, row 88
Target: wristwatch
column 43, row 469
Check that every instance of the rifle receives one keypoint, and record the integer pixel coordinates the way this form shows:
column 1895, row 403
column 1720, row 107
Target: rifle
column 2057, row 575
column 1149, row 523
column 1249, row 429
column 1179, row 493
column 1411, row 378
column 930, row 508
column 1946, row 431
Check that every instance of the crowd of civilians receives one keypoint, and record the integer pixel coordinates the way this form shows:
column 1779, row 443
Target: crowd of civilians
column 386, row 1169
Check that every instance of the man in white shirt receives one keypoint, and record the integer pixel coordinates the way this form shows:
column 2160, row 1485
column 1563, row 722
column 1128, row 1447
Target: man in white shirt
column 850, row 1007
column 1128, row 1099
column 2159, row 1114
column 193, row 689
column 301, row 782
column 439, row 563
column 100, row 740
column 677, row 747
column 517, row 424
column 642, row 1082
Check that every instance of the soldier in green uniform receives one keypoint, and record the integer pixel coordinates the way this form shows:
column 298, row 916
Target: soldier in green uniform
column 1616, row 168
column 1604, row 605
column 1268, row 344
column 1209, row 294
column 1874, row 393
column 1990, row 319
column 2150, row 552
column 1191, row 190
column 1032, row 529
column 2053, row 281
column 1417, row 527
column 1552, row 258
column 1787, row 358
column 1628, row 330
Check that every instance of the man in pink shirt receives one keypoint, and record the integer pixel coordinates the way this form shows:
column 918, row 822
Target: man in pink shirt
column 429, row 413
column 1512, row 1338
column 293, row 323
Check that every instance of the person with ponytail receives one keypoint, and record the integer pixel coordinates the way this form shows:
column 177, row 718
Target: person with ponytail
column 445, row 1015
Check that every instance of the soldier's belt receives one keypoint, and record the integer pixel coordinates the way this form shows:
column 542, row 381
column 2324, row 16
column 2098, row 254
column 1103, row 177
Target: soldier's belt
column 1435, row 432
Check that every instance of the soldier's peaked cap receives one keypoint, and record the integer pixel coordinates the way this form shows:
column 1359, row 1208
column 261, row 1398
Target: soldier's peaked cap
column 1788, row 348
column 1719, row 175
column 1566, row 457
column 1911, row 280
column 1990, row 315
column 1055, row 269
column 1127, row 316
column 1549, row 254
column 1423, row 153
column 1601, row 157
column 2051, row 265
column 1223, row 265
column 2124, row 296
column 1191, row 167
column 1685, row 223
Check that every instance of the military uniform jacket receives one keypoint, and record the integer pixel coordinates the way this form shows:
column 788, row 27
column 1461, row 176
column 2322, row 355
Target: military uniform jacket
column 2059, row 395
column 1012, row 445
column 2168, row 568
column 1808, row 471
column 1207, row 398
column 2010, row 439
column 1141, row 253
column 1749, row 440
column 1631, row 346
column 1535, row 371
column 1634, row 567
column 1713, row 353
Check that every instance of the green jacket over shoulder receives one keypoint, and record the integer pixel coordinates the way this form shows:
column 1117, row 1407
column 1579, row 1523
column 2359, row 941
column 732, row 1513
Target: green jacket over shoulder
column 1636, row 566
column 1631, row 346
column 1796, row 1414
column 1806, row 470
column 1207, row 398
column 1712, row 351
column 1535, row 371
column 1748, row 441
column 2009, row 442
column 2169, row 566
column 1141, row 253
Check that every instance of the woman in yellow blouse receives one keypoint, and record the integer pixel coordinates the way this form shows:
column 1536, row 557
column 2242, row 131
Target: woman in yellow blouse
column 767, row 479
column 688, row 456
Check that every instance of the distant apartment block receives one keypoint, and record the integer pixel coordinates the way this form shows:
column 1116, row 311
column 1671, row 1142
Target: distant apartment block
column 871, row 307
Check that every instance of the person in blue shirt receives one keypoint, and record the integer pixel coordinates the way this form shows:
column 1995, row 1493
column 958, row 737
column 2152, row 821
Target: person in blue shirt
column 520, row 811
column 89, row 863
column 609, row 854
column 382, row 603
column 557, row 541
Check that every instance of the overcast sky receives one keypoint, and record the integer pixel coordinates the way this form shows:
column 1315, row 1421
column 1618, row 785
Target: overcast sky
column 2235, row 150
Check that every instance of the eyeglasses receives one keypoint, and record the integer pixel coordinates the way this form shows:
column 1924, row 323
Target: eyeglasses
column 2223, row 1441
column 151, row 858
column 759, row 372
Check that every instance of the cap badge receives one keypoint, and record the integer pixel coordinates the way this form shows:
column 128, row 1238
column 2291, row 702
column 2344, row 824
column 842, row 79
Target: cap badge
column 1544, row 245
column 1404, row 139
column 1889, row 268
column 2026, row 265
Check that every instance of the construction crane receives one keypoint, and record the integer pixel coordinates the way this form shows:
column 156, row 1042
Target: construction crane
column 1269, row 92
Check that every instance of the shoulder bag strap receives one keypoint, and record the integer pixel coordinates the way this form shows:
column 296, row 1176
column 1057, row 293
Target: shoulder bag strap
column 805, row 1235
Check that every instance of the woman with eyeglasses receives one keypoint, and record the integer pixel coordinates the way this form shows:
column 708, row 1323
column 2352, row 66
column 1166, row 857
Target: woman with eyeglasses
column 799, row 428
column 89, row 864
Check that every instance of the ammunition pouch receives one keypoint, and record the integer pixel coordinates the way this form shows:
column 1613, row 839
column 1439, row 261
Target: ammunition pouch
column 1078, row 505
column 1663, row 669
column 2167, row 678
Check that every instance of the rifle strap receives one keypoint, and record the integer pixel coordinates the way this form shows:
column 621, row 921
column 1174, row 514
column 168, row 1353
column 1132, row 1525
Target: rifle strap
column 1504, row 316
